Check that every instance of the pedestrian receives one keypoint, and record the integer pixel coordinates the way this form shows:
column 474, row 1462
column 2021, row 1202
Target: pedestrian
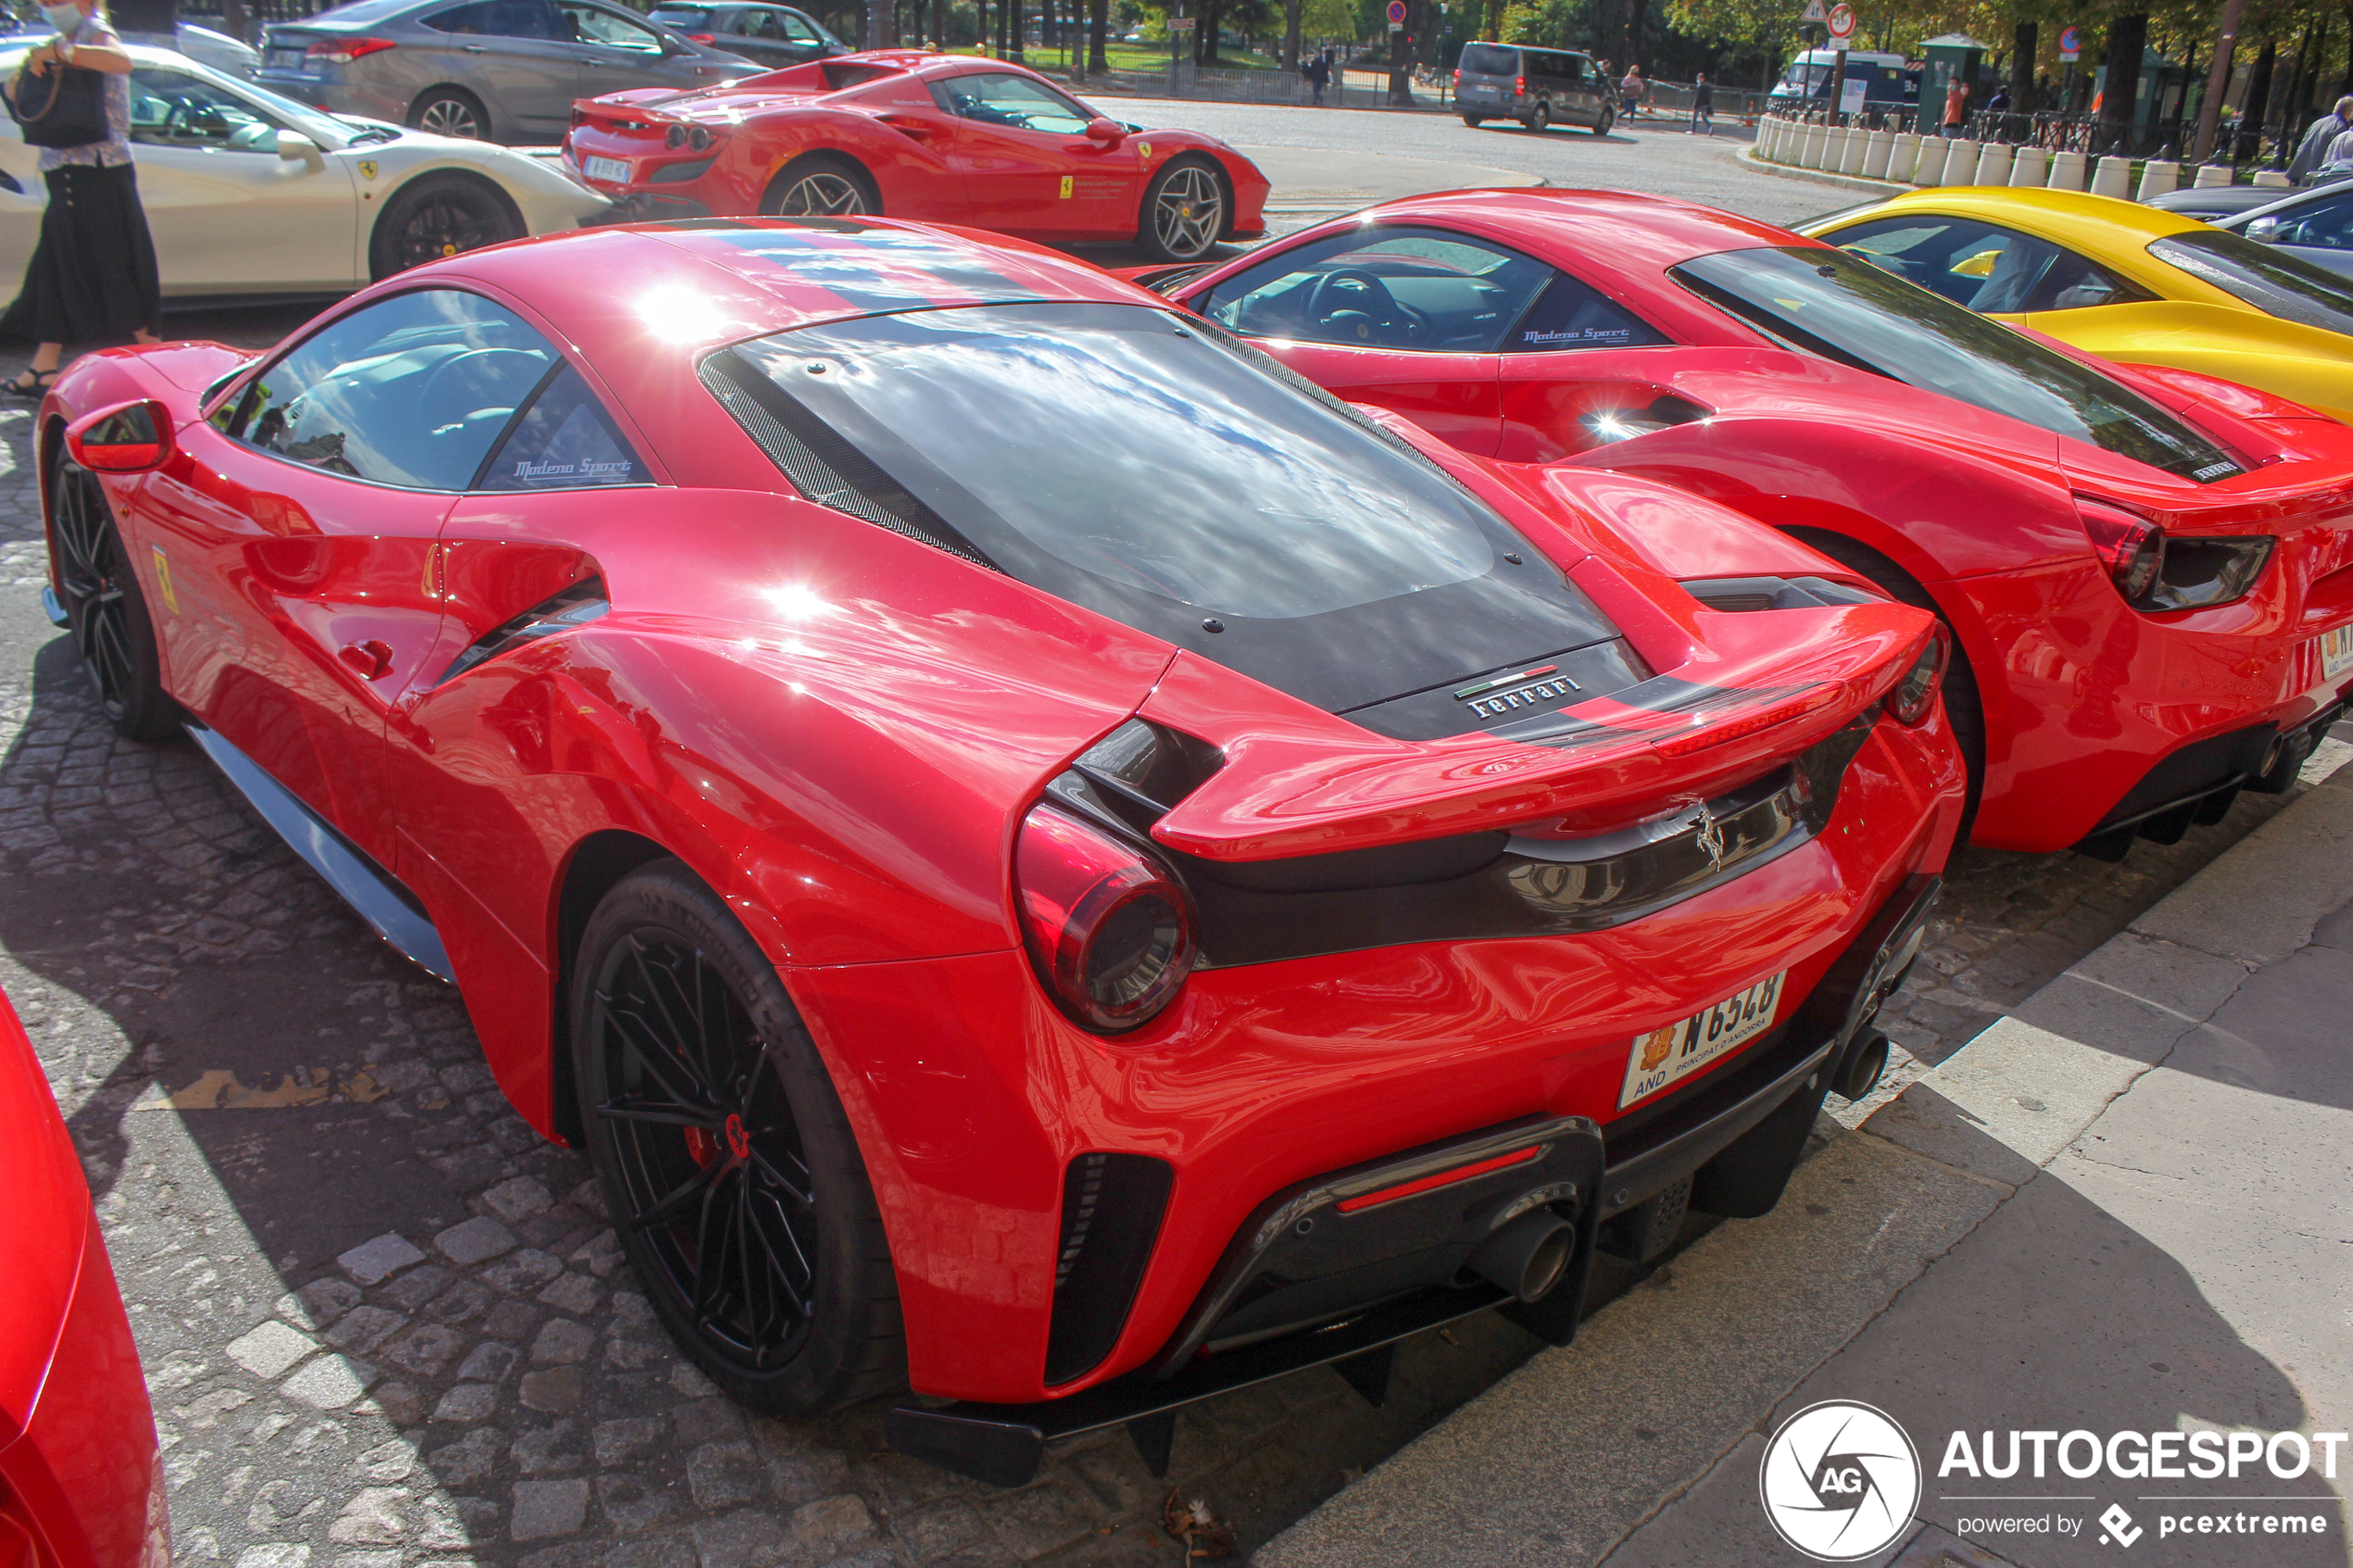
column 1319, row 75
column 1631, row 91
column 2000, row 102
column 1956, row 108
column 1703, row 106
column 93, row 274
column 2319, row 137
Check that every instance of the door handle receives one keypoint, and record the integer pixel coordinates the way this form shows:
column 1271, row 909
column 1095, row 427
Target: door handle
column 372, row 658
column 476, row 48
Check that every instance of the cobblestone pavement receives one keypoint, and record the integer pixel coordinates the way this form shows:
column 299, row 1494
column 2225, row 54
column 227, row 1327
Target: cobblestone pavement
column 385, row 1328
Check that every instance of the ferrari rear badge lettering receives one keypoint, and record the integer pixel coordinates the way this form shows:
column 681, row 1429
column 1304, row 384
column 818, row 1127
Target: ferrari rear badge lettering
column 1067, row 182
column 163, row 581
column 1526, row 689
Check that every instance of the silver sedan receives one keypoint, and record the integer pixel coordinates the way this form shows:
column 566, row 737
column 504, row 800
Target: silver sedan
column 506, row 70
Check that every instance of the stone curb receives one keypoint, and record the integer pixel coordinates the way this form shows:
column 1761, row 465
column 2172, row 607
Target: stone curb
column 1816, row 176
column 1482, row 1489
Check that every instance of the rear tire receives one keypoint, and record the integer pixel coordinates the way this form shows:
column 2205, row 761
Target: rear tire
column 1964, row 707
column 1474, row 120
column 1538, row 117
column 105, row 609
column 450, row 111
column 729, row 1165
column 822, row 186
column 441, row 215
column 1602, row 126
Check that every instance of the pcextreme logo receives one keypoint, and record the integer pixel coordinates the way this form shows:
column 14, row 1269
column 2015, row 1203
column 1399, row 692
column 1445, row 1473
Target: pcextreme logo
column 1840, row 1481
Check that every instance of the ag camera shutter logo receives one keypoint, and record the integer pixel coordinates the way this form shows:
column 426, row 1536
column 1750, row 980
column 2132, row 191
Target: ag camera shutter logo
column 1840, row 1481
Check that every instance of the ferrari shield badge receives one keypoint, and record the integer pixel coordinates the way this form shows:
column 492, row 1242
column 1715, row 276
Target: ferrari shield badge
column 367, row 168
column 1144, row 151
column 1067, row 182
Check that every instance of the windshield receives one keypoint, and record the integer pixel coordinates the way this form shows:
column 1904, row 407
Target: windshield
column 1802, row 77
column 681, row 16
column 2270, row 280
column 1828, row 303
column 1152, row 469
column 1488, row 59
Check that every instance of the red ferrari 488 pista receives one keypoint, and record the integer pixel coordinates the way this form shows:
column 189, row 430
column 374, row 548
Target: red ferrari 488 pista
column 943, row 138
column 2148, row 573
column 1041, row 857
column 81, row 1482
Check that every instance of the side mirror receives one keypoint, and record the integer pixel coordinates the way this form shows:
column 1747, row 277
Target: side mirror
column 2264, row 228
column 294, row 144
column 1110, row 132
column 127, row 438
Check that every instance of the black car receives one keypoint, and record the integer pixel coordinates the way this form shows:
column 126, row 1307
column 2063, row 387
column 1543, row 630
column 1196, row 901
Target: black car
column 773, row 35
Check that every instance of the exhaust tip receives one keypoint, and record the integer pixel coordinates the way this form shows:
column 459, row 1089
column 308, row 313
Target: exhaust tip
column 1528, row 1257
column 1860, row 1074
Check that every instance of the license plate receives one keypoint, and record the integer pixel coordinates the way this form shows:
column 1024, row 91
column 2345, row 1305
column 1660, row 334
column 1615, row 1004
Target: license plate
column 1679, row 1049
column 614, row 168
column 2336, row 652
column 287, row 59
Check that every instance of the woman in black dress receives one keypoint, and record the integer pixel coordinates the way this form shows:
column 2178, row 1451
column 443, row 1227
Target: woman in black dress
column 93, row 276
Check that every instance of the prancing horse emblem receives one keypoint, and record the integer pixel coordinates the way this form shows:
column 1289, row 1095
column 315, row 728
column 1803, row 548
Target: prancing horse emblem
column 1711, row 838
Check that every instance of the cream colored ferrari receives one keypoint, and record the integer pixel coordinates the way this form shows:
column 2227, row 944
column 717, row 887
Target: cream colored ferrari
column 248, row 193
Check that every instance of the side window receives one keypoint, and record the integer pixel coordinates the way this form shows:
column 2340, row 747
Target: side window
column 170, row 108
column 1016, row 101
column 1576, row 315
column 1387, row 288
column 797, row 28
column 564, row 441
column 2075, row 283
column 2327, row 225
column 593, row 24
column 1979, row 265
column 755, row 24
column 410, row 391
column 500, row 18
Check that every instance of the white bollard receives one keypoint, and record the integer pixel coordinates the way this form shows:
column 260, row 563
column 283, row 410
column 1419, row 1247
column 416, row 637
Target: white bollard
column 2158, row 179
column 1903, row 156
column 1876, row 149
column 1858, row 141
column 2272, row 180
column 1993, row 164
column 2213, row 176
column 2030, row 169
column 1834, row 148
column 1960, row 165
column 2066, row 171
column 2113, row 177
column 1769, row 137
column 1809, row 155
column 1930, row 170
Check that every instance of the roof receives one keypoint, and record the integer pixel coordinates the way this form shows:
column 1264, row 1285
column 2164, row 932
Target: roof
column 1633, row 229
column 2107, row 213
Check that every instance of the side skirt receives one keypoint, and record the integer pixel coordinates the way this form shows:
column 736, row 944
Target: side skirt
column 379, row 899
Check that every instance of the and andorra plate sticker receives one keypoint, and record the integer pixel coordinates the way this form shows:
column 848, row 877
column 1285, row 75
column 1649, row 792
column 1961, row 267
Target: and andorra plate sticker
column 614, row 168
column 2336, row 652
column 1682, row 1047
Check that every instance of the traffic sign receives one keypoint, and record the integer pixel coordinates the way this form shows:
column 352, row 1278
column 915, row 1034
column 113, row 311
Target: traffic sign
column 1842, row 24
column 1180, row 24
column 1813, row 12
column 1397, row 12
column 2070, row 44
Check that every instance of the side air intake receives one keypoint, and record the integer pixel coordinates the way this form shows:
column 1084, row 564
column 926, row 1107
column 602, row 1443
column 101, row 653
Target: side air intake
column 1111, row 1209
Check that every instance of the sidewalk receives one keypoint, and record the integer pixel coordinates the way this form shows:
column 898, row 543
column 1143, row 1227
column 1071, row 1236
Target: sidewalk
column 2122, row 1209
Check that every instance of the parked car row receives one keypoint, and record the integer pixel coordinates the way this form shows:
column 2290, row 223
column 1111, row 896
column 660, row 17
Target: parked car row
column 1299, row 795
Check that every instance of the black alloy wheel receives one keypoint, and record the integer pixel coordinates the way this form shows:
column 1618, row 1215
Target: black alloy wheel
column 446, row 111
column 733, row 1180
column 106, row 611
column 436, row 216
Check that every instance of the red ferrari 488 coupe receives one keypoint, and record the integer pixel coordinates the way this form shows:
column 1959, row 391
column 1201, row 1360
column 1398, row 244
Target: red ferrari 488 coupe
column 2148, row 573
column 941, row 138
column 1041, row 857
column 80, row 1479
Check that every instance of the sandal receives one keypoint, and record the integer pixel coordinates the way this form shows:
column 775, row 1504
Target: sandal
column 30, row 384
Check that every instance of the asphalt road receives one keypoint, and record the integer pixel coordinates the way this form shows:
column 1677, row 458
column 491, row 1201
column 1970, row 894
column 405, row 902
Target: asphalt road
column 386, row 1328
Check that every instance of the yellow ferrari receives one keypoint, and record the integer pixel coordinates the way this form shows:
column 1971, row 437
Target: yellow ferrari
column 2122, row 281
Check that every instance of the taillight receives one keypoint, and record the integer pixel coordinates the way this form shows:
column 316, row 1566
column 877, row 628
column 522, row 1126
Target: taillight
column 1109, row 931
column 2157, row 572
column 1458, row 78
column 702, row 38
column 1912, row 699
column 2131, row 548
column 1520, row 85
column 343, row 51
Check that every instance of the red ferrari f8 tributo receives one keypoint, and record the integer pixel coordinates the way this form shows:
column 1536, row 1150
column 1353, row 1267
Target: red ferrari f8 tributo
column 1042, row 857
column 942, row 138
column 2148, row 573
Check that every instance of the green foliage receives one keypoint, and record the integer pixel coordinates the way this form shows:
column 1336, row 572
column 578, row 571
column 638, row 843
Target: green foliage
column 1327, row 19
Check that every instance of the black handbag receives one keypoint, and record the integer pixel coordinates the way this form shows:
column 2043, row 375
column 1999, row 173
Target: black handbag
column 66, row 107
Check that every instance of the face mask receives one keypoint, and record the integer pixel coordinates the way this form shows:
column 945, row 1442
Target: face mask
column 65, row 18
